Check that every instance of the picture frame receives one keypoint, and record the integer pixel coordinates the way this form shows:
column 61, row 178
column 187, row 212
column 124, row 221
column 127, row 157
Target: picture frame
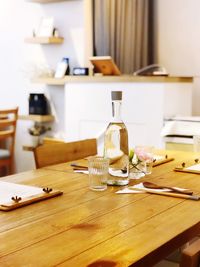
column 46, row 27
column 105, row 65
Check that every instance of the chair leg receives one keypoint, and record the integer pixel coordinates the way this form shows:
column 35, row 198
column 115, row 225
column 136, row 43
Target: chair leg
column 11, row 167
column 3, row 171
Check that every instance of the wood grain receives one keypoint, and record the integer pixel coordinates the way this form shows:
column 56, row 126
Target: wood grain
column 37, row 118
column 87, row 228
column 159, row 162
column 59, row 152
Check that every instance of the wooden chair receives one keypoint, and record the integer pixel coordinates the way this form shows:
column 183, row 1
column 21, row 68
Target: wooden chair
column 190, row 256
column 51, row 140
column 60, row 152
column 8, row 122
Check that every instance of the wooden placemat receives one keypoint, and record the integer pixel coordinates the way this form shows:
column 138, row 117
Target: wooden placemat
column 189, row 167
column 18, row 195
column 162, row 161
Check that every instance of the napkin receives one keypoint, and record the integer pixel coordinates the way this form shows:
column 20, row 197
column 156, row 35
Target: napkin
column 111, row 171
column 117, row 173
column 128, row 191
column 81, row 171
column 195, row 167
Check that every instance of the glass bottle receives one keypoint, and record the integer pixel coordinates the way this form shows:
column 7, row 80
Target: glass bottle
column 116, row 144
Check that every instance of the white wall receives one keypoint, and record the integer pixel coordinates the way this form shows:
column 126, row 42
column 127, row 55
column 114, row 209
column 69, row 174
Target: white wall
column 18, row 60
column 178, row 36
column 178, row 42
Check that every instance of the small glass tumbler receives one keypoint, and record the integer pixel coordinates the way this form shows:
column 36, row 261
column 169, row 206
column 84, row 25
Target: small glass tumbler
column 149, row 158
column 149, row 166
column 98, row 173
column 196, row 143
column 146, row 154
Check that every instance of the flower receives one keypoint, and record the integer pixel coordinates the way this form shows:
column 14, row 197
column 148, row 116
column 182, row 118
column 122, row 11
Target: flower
column 134, row 160
column 143, row 154
column 139, row 156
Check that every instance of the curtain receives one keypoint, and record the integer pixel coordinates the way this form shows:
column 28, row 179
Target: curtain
column 123, row 29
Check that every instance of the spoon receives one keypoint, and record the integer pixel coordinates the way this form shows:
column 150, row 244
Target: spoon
column 155, row 186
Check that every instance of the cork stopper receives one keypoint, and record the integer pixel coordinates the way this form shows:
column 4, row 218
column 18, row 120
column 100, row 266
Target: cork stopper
column 116, row 95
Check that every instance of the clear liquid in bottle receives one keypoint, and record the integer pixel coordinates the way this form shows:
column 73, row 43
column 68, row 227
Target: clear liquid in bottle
column 116, row 144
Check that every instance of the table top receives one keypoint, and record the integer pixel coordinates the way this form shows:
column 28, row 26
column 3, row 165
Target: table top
column 88, row 228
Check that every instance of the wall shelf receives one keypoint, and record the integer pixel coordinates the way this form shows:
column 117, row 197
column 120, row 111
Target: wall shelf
column 44, row 40
column 28, row 148
column 49, row 80
column 37, row 118
column 45, row 1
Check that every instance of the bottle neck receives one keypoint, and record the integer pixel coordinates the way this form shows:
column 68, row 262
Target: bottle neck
column 116, row 111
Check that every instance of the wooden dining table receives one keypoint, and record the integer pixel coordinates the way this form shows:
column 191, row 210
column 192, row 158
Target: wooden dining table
column 89, row 228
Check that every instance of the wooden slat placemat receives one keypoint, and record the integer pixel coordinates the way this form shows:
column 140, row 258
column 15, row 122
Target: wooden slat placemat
column 184, row 167
column 14, row 196
column 162, row 161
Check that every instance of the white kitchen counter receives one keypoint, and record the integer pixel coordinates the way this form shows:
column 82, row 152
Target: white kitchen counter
column 146, row 102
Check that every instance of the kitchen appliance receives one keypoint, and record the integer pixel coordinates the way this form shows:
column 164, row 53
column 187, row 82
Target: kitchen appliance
column 38, row 104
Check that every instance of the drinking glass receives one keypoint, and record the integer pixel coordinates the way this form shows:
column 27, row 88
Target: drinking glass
column 143, row 161
column 150, row 158
column 137, row 171
column 98, row 173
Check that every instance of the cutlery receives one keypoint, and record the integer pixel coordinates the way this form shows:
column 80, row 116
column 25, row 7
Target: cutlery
column 78, row 167
column 174, row 189
column 151, row 191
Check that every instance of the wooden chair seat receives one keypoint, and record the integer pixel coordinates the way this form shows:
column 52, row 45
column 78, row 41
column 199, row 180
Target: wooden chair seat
column 60, row 152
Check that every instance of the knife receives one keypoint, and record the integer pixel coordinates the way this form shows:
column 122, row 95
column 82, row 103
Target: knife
column 151, row 191
column 78, row 167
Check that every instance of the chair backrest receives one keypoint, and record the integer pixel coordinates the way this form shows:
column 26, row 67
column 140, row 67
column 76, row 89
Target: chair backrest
column 60, row 152
column 190, row 256
column 8, row 122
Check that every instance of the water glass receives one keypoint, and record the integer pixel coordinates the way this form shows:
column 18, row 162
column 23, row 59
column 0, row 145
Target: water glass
column 196, row 143
column 98, row 173
column 138, row 171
